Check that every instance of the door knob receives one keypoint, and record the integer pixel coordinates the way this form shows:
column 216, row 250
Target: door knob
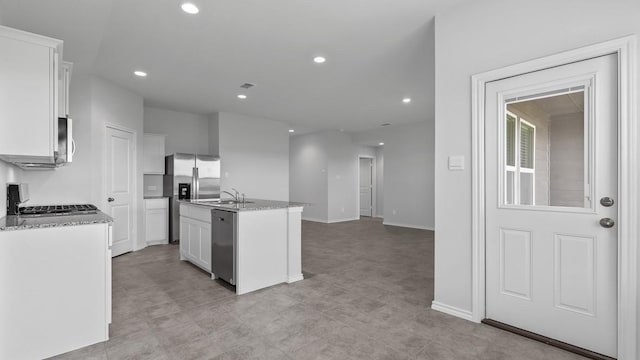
column 607, row 223
column 606, row 201
column 111, row 199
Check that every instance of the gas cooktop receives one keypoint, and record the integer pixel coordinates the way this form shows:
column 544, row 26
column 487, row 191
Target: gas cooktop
column 53, row 210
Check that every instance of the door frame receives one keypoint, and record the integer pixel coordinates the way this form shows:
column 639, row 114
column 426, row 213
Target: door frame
column 374, row 189
column 132, row 181
column 628, row 169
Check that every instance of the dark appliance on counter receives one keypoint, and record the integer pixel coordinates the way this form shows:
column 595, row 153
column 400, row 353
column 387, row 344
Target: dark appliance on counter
column 189, row 176
column 16, row 194
column 224, row 244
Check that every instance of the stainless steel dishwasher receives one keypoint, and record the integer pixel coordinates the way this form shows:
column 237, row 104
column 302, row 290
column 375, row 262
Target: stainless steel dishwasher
column 223, row 244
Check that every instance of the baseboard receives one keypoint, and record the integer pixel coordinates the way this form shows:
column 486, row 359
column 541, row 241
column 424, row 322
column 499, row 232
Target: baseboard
column 408, row 226
column 295, row 278
column 343, row 220
column 452, row 310
column 161, row 242
column 314, row 220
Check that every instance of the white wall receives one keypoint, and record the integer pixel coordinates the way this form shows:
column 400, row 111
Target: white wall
column 214, row 134
column 472, row 38
column 408, row 169
column 308, row 175
column 342, row 177
column 324, row 173
column 254, row 156
column 118, row 106
column 186, row 132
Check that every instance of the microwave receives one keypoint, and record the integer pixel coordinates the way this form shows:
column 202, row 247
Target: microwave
column 63, row 156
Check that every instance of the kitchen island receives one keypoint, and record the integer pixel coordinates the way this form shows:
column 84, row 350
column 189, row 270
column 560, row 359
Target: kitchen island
column 267, row 236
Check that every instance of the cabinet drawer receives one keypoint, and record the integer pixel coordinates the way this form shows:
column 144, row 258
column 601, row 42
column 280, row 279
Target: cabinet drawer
column 150, row 204
column 196, row 212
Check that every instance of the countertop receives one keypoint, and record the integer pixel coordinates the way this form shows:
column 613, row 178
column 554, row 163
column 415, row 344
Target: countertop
column 155, row 197
column 13, row 222
column 249, row 205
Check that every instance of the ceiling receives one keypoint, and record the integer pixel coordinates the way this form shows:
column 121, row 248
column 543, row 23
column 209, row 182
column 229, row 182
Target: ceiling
column 378, row 52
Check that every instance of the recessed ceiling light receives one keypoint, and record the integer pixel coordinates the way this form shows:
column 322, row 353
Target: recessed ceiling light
column 140, row 73
column 319, row 59
column 242, row 96
column 406, row 100
column 189, row 8
column 291, row 131
column 381, row 144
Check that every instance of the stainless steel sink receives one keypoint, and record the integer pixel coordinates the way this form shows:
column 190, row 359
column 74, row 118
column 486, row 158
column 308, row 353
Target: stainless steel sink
column 233, row 202
column 221, row 202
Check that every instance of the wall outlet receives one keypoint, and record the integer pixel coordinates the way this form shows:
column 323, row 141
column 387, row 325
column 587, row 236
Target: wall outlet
column 393, row 211
column 342, row 209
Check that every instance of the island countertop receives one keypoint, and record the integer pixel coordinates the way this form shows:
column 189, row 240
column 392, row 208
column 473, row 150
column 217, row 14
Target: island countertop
column 14, row 222
column 248, row 205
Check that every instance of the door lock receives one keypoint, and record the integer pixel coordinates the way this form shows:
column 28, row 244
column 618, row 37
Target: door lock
column 606, row 201
column 607, row 223
column 111, row 199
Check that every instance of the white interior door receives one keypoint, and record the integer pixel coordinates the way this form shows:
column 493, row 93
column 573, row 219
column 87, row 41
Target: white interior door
column 366, row 187
column 551, row 165
column 120, row 153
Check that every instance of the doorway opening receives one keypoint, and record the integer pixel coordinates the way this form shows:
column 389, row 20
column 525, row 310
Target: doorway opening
column 366, row 180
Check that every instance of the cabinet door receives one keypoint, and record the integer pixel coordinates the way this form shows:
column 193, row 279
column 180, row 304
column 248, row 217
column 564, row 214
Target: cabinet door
column 154, row 154
column 184, row 236
column 194, row 240
column 205, row 246
column 27, row 93
column 64, row 80
column 156, row 225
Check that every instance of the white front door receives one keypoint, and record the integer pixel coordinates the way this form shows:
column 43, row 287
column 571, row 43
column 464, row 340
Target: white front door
column 120, row 154
column 366, row 187
column 551, row 173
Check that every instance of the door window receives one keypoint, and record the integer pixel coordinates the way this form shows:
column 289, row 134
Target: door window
column 547, row 149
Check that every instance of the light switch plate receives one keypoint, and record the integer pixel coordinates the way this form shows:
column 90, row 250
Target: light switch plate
column 456, row 162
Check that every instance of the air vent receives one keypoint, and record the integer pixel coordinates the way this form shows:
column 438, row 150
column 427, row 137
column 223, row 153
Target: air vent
column 247, row 85
column 385, row 124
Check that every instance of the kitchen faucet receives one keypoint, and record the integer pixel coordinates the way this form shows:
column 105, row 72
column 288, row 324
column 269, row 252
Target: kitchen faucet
column 236, row 196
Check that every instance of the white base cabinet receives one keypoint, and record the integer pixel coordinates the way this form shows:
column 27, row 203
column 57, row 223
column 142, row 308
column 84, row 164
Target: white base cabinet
column 195, row 235
column 55, row 290
column 156, row 221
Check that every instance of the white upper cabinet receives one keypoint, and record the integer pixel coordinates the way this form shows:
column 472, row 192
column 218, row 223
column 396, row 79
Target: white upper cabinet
column 154, row 154
column 29, row 66
column 64, row 80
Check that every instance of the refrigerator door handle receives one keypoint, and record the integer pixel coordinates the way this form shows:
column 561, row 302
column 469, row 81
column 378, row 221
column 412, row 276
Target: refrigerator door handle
column 194, row 183
column 197, row 180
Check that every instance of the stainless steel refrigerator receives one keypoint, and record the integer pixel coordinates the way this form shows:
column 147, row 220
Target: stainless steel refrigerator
column 189, row 176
